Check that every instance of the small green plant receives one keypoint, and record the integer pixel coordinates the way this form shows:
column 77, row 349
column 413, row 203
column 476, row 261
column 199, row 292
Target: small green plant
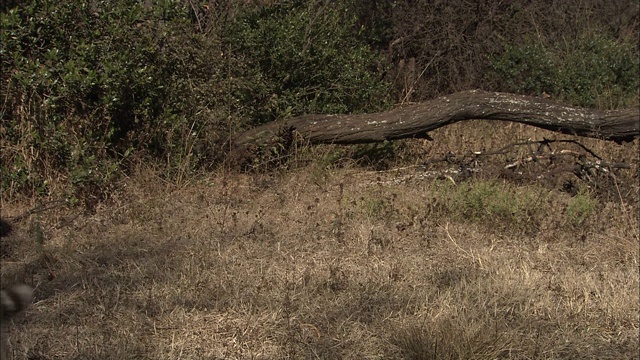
column 497, row 204
column 486, row 199
column 37, row 232
column 580, row 208
column 372, row 206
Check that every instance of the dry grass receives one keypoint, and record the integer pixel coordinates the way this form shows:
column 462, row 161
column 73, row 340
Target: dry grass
column 328, row 263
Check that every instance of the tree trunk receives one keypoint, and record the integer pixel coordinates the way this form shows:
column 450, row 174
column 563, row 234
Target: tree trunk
column 417, row 119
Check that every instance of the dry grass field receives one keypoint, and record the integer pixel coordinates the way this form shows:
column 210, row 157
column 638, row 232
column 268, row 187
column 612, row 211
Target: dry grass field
column 338, row 262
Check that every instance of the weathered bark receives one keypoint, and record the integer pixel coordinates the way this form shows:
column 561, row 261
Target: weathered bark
column 417, row 119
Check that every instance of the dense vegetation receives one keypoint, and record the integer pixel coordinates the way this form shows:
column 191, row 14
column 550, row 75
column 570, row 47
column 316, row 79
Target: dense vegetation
column 141, row 243
column 90, row 88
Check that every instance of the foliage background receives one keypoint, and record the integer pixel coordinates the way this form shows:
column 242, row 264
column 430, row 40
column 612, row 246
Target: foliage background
column 92, row 88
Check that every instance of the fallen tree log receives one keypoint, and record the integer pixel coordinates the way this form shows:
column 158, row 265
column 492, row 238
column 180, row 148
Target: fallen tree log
column 414, row 121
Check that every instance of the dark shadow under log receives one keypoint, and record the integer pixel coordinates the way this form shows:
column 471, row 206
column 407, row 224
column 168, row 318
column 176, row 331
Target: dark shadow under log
column 414, row 121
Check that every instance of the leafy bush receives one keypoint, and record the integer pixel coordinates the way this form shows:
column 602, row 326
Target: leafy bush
column 59, row 92
column 303, row 57
column 89, row 84
column 595, row 71
column 527, row 69
column 454, row 44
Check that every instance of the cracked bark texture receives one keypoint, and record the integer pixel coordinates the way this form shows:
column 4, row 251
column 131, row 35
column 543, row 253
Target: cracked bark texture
column 417, row 119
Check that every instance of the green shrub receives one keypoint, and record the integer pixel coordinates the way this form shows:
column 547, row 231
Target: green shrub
column 302, row 58
column 528, row 69
column 599, row 72
column 85, row 85
column 595, row 71
column 580, row 208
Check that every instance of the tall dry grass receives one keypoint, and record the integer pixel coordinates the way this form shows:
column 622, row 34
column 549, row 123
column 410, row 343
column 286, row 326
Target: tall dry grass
column 331, row 262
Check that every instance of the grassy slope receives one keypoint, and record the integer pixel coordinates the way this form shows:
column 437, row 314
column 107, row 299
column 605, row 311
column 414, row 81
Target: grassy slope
column 322, row 263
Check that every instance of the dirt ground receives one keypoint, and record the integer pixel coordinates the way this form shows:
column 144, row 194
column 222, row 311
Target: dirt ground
column 405, row 258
